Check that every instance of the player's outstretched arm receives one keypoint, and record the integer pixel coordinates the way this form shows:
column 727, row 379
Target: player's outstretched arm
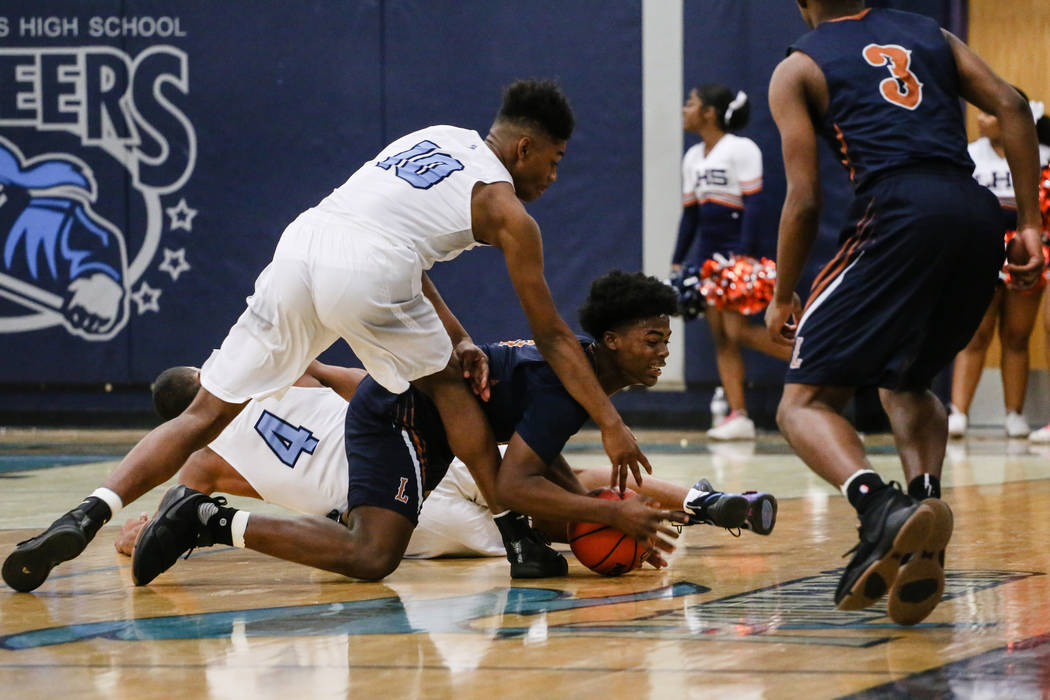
column 791, row 108
column 979, row 85
column 500, row 220
column 524, row 487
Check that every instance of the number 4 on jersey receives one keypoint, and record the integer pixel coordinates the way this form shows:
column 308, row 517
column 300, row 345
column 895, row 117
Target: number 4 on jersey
column 286, row 441
column 420, row 167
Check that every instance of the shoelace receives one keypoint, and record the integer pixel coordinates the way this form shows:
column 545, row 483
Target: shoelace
column 219, row 501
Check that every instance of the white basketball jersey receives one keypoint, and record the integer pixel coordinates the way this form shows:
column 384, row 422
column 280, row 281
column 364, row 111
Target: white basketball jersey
column 732, row 169
column 417, row 192
column 291, row 450
column 992, row 171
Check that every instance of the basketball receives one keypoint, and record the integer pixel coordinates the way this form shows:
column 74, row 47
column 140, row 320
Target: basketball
column 602, row 548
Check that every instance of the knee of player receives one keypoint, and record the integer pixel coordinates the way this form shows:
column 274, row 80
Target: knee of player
column 785, row 412
column 372, row 567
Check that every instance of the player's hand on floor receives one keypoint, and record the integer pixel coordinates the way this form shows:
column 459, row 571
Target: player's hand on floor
column 625, row 456
column 129, row 534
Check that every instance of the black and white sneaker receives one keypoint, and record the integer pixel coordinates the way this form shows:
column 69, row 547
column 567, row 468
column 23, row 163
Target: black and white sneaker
column 176, row 529
column 704, row 505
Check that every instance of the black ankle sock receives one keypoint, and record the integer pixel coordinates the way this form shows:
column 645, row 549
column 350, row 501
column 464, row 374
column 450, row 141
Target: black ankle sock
column 862, row 489
column 97, row 512
column 218, row 520
column 512, row 526
column 924, row 486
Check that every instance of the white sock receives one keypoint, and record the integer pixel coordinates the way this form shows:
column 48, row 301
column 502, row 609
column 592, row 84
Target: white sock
column 111, row 499
column 238, row 526
column 853, row 476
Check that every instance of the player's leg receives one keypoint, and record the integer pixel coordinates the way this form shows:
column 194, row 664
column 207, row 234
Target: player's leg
column 1042, row 435
column 151, row 462
column 892, row 523
column 369, row 547
column 756, row 337
column 968, row 366
column 1016, row 322
column 469, row 434
column 204, row 471
column 731, row 371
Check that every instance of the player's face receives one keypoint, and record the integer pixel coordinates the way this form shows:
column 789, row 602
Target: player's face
column 641, row 350
column 537, row 166
column 691, row 117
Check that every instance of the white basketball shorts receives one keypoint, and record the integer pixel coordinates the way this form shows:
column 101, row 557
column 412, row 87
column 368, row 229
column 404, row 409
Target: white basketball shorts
column 326, row 281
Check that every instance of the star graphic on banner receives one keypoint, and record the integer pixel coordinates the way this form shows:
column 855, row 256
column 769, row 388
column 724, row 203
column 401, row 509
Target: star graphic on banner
column 146, row 298
column 181, row 215
column 174, row 263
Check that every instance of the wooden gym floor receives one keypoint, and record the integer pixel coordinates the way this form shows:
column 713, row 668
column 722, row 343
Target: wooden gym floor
column 730, row 618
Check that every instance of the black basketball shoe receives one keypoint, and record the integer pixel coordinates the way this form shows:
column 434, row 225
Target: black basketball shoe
column 532, row 557
column 704, row 505
column 176, row 529
column 920, row 582
column 893, row 527
column 29, row 565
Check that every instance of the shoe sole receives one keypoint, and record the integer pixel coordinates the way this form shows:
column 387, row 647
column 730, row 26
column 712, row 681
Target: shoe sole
column 30, row 564
column 172, row 500
column 920, row 582
column 881, row 574
column 762, row 522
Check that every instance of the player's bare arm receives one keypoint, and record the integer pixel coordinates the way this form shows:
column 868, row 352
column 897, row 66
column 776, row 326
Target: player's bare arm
column 792, row 103
column 525, row 487
column 474, row 362
column 341, row 380
column 500, row 220
column 980, row 86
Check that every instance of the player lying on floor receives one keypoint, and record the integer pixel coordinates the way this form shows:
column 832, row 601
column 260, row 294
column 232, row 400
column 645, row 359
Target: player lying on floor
column 397, row 452
column 454, row 519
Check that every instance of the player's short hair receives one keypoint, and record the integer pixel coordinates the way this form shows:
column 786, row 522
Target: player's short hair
column 174, row 390
column 620, row 298
column 538, row 104
column 733, row 109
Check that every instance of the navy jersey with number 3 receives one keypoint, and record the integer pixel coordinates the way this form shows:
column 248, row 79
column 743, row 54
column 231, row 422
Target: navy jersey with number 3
column 893, row 93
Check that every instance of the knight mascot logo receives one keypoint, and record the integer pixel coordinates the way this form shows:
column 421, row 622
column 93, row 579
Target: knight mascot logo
column 75, row 246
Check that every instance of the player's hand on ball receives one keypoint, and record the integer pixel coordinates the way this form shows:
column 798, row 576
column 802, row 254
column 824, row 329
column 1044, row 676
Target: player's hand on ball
column 1024, row 257
column 645, row 523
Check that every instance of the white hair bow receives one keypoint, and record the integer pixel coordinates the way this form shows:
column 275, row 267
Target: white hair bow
column 1037, row 109
column 739, row 101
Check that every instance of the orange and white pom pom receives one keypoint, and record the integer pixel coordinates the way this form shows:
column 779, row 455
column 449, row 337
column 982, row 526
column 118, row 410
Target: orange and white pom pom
column 738, row 283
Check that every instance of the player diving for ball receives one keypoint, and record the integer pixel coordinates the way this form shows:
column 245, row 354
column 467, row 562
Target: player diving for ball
column 396, row 452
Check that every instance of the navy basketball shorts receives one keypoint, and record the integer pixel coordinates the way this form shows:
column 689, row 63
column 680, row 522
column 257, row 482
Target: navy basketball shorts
column 395, row 460
column 907, row 289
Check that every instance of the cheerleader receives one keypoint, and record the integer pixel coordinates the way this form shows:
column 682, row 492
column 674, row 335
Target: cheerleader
column 1012, row 312
column 721, row 179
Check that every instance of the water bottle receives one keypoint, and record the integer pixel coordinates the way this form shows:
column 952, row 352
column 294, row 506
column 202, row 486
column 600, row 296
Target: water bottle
column 719, row 406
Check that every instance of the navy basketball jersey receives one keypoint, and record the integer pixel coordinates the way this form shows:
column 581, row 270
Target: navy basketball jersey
column 528, row 398
column 893, row 93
